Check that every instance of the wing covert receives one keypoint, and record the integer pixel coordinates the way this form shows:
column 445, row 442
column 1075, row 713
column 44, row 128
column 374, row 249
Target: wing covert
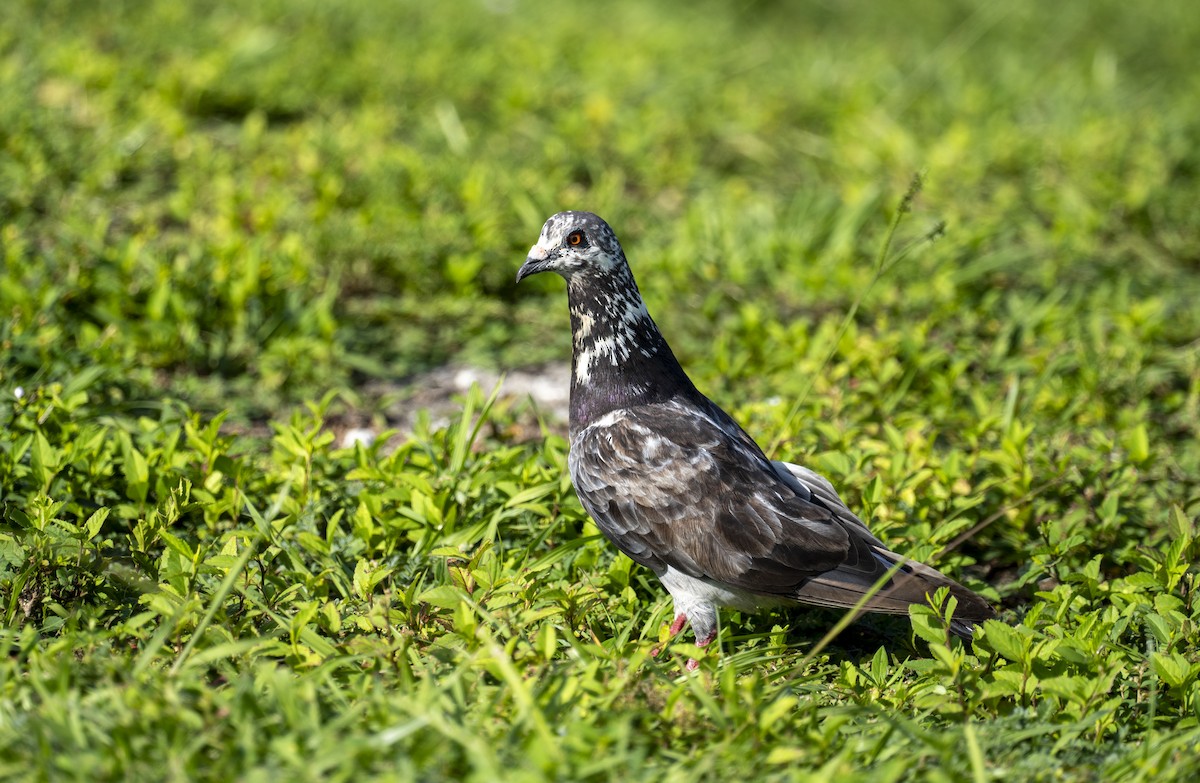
column 671, row 487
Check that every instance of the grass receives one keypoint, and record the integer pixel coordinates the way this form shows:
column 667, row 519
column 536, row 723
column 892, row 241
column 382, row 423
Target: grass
column 226, row 229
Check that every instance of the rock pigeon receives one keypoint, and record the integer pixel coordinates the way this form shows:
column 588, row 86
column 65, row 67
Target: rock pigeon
column 678, row 486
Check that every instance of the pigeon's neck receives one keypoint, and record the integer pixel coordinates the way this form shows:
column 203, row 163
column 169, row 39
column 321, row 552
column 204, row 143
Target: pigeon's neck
column 619, row 358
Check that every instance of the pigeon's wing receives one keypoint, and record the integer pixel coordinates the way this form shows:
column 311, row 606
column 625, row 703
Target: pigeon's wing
column 810, row 484
column 672, row 487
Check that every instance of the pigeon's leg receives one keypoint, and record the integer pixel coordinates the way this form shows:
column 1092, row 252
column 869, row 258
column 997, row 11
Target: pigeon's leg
column 676, row 627
column 694, row 606
column 704, row 641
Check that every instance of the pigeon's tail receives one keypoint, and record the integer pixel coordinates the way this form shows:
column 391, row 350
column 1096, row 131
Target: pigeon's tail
column 913, row 583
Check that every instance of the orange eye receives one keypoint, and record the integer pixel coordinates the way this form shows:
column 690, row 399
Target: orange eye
column 575, row 238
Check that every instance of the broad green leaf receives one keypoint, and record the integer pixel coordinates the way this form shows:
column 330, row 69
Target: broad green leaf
column 442, row 596
column 1173, row 669
column 1006, row 640
column 44, row 460
column 177, row 544
column 1137, row 442
column 95, row 522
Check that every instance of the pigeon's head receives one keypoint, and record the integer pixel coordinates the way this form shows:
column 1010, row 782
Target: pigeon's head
column 574, row 243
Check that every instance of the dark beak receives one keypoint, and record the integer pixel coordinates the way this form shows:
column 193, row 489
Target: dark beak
column 538, row 261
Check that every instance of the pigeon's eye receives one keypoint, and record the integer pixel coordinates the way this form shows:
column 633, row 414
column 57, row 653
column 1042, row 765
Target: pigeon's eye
column 576, row 239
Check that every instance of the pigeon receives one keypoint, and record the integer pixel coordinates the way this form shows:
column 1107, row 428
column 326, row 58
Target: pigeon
column 678, row 486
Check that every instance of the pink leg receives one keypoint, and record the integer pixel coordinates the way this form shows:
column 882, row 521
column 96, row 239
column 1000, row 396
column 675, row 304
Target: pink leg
column 676, row 627
column 692, row 663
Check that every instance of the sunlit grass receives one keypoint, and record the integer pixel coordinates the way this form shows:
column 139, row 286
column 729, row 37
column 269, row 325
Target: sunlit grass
column 227, row 229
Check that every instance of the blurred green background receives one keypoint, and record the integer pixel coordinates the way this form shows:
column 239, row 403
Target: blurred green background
column 231, row 230
column 283, row 197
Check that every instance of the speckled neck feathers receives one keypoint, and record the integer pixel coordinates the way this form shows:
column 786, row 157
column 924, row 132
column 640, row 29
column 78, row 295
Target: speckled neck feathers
column 619, row 358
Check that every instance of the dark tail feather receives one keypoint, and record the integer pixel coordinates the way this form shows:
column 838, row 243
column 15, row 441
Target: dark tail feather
column 914, row 583
column 963, row 629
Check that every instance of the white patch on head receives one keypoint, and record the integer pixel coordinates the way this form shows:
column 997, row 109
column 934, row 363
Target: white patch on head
column 599, row 254
column 604, row 261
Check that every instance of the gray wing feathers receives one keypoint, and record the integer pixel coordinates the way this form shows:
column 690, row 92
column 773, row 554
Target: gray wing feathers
column 670, row 488
column 673, row 487
column 803, row 480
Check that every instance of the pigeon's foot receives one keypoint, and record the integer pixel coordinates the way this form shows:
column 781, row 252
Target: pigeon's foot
column 676, row 627
column 692, row 663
